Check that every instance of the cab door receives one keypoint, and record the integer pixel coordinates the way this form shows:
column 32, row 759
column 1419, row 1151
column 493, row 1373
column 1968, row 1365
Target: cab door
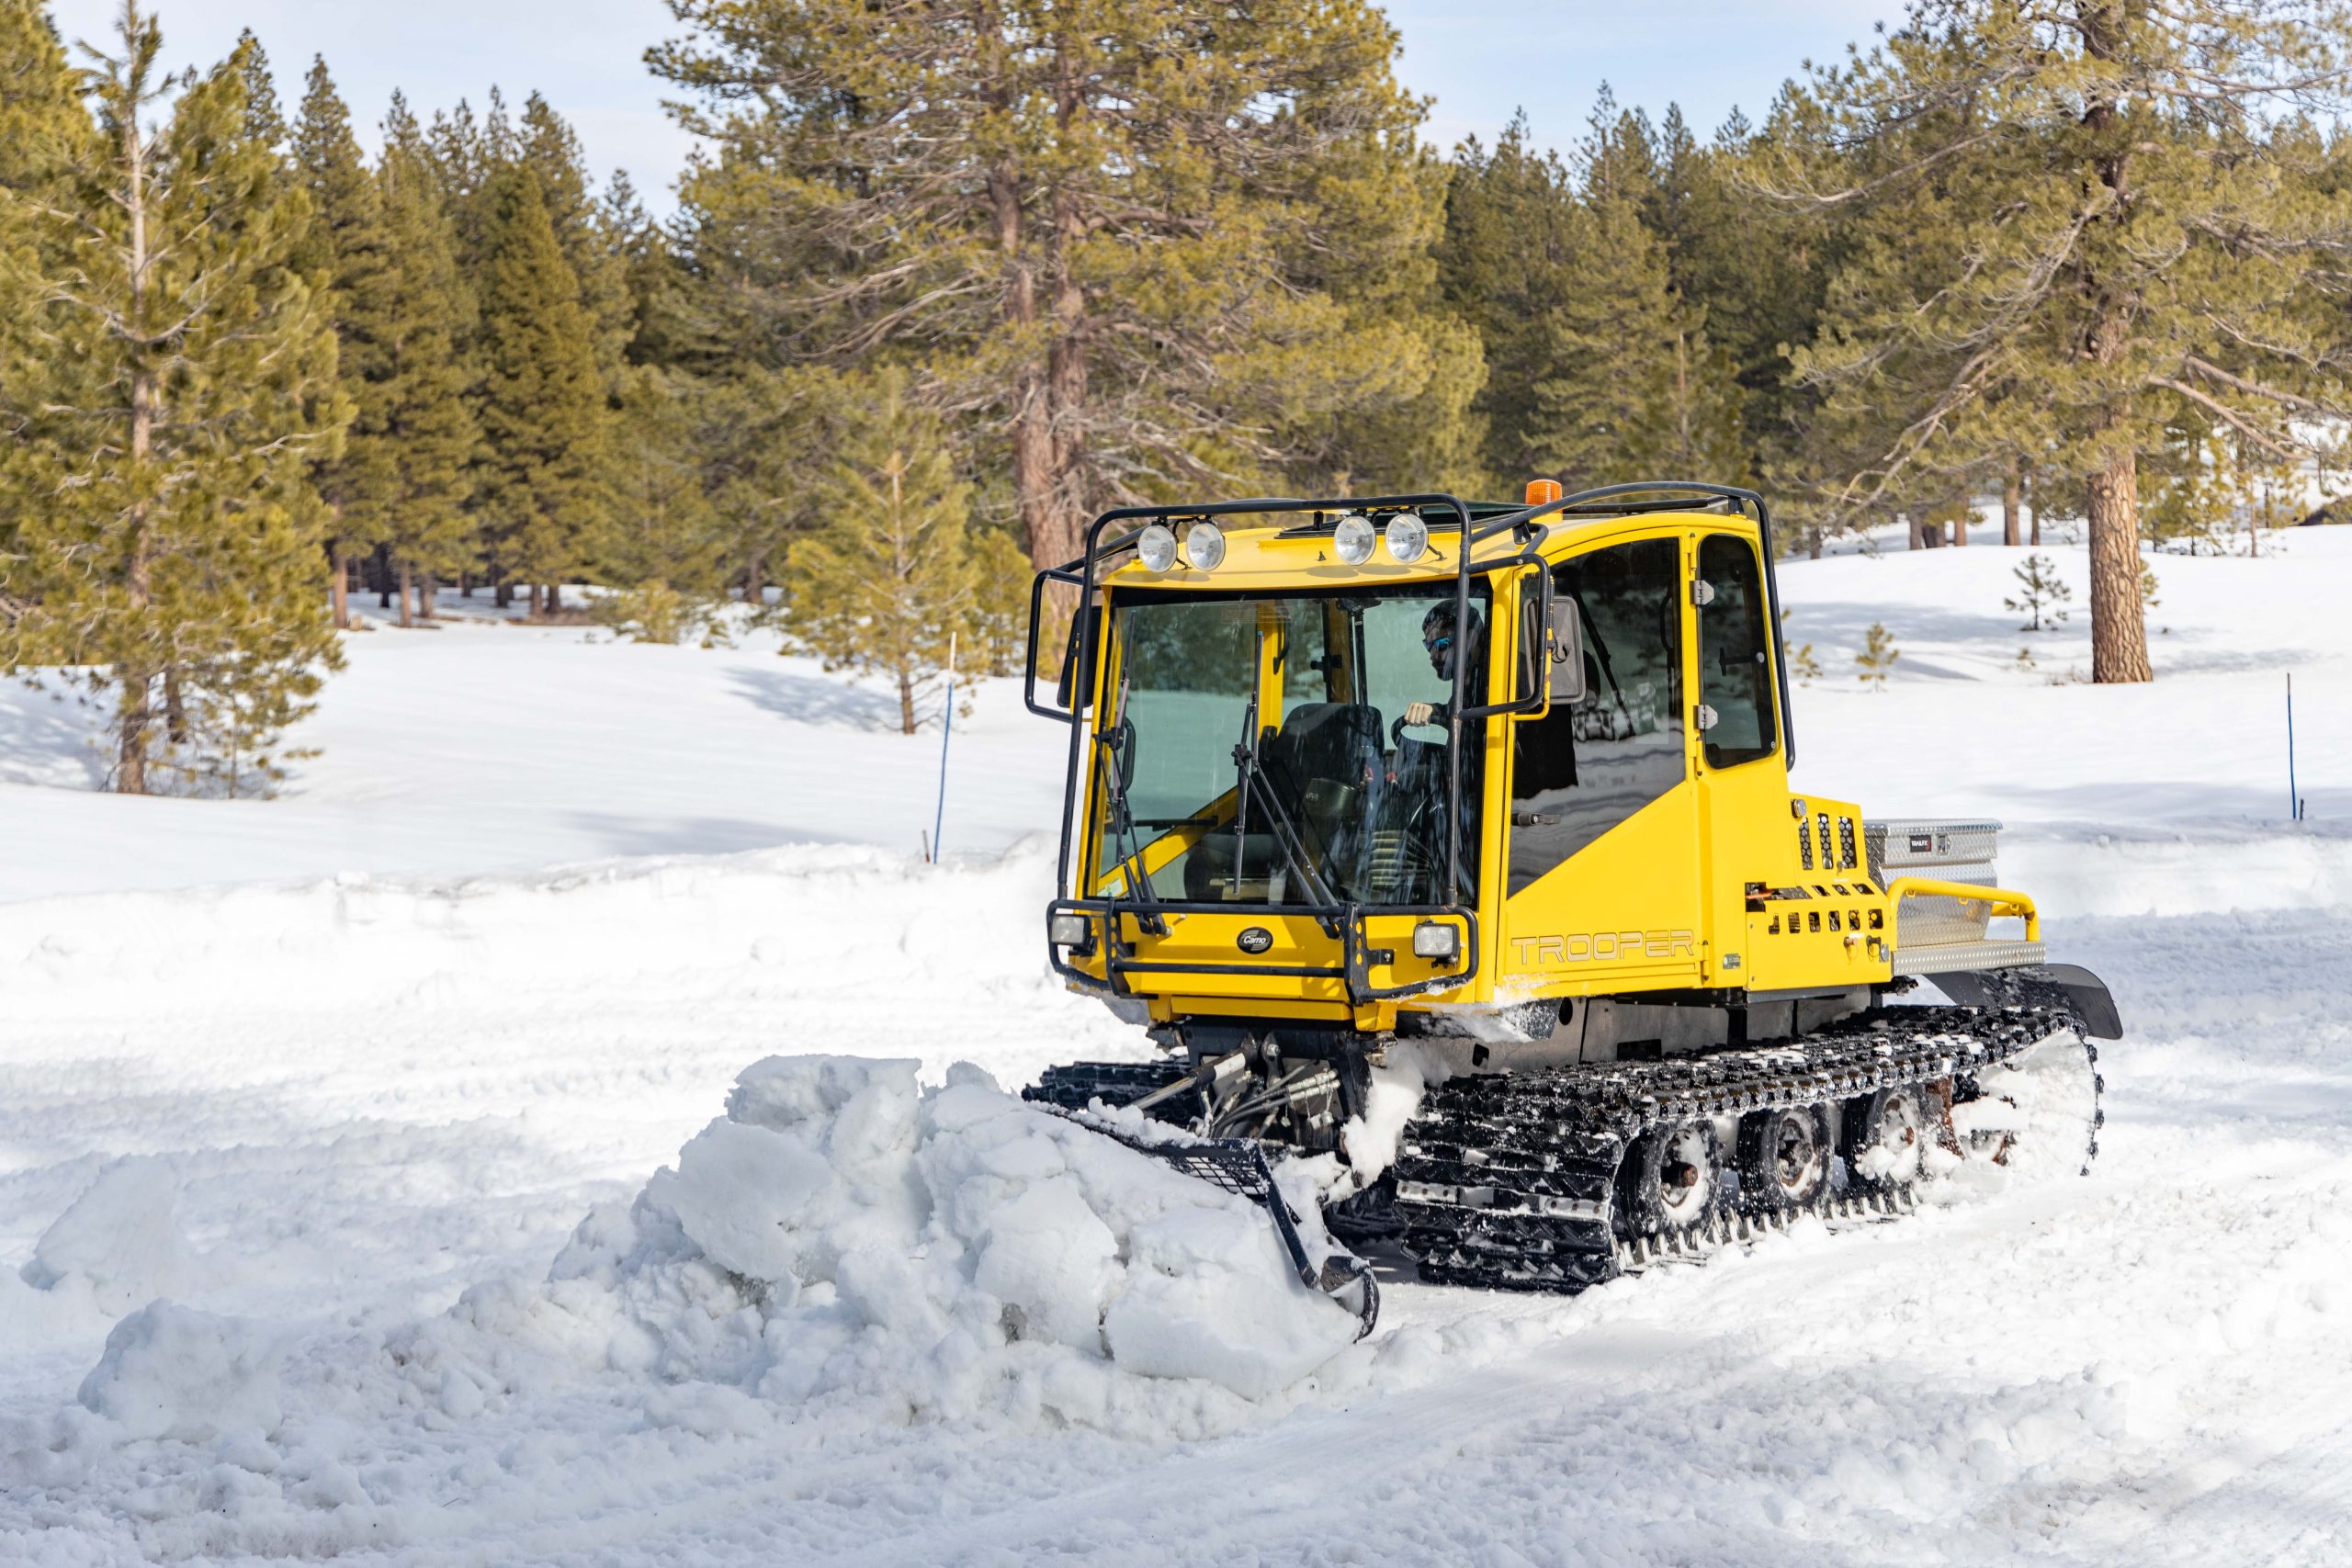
column 1742, row 774
column 1601, row 866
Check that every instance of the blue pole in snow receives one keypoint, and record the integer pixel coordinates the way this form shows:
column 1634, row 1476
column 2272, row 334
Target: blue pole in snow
column 947, row 728
column 2294, row 801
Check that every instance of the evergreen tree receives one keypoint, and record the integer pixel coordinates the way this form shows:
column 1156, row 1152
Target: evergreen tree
column 546, row 144
column 167, row 425
column 544, row 416
column 265, row 121
column 1875, row 663
column 1631, row 387
column 889, row 580
column 427, row 434
column 1510, row 220
column 2041, row 593
column 1147, row 249
column 44, row 132
column 345, row 253
column 2084, row 224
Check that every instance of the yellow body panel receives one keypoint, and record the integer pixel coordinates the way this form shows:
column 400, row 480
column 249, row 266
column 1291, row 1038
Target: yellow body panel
column 1706, row 886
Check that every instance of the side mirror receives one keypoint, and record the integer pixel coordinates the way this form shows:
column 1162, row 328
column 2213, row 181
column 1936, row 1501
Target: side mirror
column 1074, row 687
column 1565, row 649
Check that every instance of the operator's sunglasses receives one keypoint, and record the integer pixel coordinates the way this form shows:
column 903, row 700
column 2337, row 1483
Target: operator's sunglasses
column 1440, row 643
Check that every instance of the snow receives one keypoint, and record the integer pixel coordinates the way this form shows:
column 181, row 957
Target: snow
column 361, row 1194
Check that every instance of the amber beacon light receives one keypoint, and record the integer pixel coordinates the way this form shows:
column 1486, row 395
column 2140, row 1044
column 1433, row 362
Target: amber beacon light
column 1543, row 493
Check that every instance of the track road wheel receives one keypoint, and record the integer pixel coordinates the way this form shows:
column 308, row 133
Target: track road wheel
column 1884, row 1137
column 1783, row 1157
column 1671, row 1180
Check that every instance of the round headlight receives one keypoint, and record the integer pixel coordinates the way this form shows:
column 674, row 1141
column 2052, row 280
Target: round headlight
column 1156, row 547
column 1204, row 546
column 1354, row 538
column 1406, row 537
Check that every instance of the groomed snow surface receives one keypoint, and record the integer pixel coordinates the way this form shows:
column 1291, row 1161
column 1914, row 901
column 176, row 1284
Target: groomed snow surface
column 389, row 1173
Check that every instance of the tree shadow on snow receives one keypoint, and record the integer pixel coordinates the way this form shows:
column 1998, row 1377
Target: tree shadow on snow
column 50, row 738
column 810, row 699
column 655, row 835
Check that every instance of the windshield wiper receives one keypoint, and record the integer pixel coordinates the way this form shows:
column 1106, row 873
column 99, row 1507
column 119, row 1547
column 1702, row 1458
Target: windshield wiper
column 1254, row 786
column 1116, row 744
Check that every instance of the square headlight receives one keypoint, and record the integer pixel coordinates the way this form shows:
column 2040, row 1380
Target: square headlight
column 1068, row 929
column 1436, row 941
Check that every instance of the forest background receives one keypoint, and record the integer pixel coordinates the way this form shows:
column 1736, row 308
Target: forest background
column 943, row 281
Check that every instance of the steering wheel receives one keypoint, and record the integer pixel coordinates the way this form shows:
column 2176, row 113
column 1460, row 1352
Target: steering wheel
column 1397, row 731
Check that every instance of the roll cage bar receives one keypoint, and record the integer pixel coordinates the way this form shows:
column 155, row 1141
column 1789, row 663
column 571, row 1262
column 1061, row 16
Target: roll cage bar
column 1473, row 524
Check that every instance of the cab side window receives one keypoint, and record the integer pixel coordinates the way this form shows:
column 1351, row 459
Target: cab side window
column 1581, row 770
column 1735, row 659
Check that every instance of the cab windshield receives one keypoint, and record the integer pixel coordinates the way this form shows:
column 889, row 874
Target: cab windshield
column 1260, row 749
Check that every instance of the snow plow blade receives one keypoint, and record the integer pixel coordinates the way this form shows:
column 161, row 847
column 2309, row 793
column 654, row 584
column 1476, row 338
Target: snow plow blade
column 1239, row 1166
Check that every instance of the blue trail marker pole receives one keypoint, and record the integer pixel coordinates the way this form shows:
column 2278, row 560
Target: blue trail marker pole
column 2294, row 800
column 947, row 728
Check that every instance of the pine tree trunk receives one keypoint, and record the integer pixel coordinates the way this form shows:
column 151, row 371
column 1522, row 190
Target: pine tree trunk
column 502, row 593
column 134, row 715
column 2033, row 511
column 425, row 592
column 906, row 700
column 382, row 564
column 1960, row 528
column 1813, row 543
column 2119, row 627
column 755, row 586
column 536, row 601
column 405, row 622
column 555, row 597
column 175, row 709
column 1047, row 485
column 465, row 585
column 1918, row 532
column 2012, row 485
column 341, row 589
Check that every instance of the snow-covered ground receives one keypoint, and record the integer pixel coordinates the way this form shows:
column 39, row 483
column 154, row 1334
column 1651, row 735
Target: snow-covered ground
column 500, row 950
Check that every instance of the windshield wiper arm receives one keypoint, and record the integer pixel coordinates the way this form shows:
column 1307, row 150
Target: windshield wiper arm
column 1122, row 823
column 1253, row 786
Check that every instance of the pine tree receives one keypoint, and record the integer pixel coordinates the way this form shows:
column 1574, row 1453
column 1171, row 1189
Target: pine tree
column 265, row 121
column 1139, row 248
column 546, row 144
column 44, row 132
column 1632, row 388
column 429, row 439
column 168, row 423
column 889, row 580
column 2083, row 224
column 544, row 416
column 1511, row 215
column 1876, row 660
column 2041, row 593
column 345, row 253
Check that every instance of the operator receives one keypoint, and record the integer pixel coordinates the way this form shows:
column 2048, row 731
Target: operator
column 1446, row 648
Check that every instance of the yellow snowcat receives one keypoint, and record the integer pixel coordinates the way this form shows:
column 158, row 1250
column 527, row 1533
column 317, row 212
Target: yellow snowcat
column 1491, row 802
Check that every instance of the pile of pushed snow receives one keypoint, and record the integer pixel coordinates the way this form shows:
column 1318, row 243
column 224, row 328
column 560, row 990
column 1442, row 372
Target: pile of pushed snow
column 845, row 1243
column 952, row 1250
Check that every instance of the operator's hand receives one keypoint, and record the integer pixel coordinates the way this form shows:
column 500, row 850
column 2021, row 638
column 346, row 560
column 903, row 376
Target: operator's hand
column 1417, row 713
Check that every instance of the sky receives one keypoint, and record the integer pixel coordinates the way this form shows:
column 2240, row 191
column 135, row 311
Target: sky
column 1478, row 59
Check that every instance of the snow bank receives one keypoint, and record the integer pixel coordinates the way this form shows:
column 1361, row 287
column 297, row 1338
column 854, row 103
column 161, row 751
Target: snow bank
column 172, row 1371
column 952, row 1252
